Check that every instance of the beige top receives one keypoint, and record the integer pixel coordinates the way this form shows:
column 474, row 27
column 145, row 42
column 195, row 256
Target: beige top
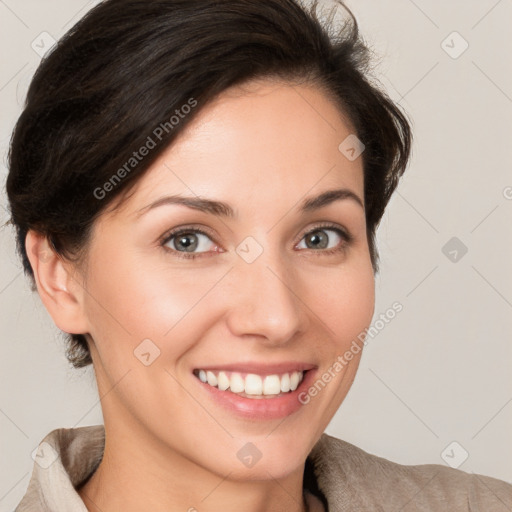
column 349, row 479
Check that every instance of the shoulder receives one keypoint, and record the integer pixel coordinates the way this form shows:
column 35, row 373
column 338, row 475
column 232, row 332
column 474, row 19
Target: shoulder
column 349, row 476
column 79, row 449
column 64, row 459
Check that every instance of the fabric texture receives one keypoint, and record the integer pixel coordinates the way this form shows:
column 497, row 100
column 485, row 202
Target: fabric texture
column 346, row 477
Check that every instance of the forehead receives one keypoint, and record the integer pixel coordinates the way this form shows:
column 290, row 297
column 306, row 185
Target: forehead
column 256, row 141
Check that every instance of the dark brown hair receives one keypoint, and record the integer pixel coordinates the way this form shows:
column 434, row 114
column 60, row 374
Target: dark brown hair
column 135, row 70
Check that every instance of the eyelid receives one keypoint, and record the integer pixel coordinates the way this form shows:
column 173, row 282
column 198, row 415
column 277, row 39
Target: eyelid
column 328, row 225
column 185, row 228
column 348, row 238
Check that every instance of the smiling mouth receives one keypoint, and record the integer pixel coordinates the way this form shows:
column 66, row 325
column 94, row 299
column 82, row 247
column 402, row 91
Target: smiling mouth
column 251, row 385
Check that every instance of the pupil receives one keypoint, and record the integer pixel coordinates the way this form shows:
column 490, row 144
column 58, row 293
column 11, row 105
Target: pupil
column 320, row 237
column 191, row 246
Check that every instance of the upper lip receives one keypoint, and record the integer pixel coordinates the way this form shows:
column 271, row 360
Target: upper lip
column 260, row 368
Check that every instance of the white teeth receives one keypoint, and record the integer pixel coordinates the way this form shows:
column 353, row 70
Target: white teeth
column 252, row 384
column 212, row 378
column 236, row 383
column 271, row 385
column 285, row 383
column 223, row 381
column 294, row 380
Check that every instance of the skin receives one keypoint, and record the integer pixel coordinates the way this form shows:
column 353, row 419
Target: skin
column 262, row 148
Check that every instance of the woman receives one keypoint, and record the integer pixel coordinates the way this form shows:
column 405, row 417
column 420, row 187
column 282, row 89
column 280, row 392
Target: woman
column 196, row 188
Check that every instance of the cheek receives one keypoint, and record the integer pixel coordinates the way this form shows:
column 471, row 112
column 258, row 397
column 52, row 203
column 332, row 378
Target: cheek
column 131, row 298
column 344, row 299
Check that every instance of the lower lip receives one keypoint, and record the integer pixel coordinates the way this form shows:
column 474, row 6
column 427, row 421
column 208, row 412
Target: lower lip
column 260, row 408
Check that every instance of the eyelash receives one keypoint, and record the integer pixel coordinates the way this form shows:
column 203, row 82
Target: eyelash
column 346, row 237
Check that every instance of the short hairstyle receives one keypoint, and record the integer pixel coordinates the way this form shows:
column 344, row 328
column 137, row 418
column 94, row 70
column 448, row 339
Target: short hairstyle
column 131, row 71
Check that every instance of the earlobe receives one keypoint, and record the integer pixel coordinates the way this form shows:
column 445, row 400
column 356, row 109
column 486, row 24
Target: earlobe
column 59, row 289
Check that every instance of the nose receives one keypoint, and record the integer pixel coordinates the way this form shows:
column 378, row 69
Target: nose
column 266, row 301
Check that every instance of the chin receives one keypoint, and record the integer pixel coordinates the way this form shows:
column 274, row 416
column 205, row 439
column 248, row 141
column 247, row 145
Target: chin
column 272, row 455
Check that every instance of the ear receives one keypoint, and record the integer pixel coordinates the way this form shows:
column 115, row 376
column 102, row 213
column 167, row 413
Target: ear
column 58, row 284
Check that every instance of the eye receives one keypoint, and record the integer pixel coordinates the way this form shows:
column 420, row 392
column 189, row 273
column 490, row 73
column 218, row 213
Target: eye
column 184, row 241
column 192, row 242
column 318, row 239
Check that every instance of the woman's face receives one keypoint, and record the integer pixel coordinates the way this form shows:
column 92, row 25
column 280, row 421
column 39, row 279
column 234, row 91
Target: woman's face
column 252, row 297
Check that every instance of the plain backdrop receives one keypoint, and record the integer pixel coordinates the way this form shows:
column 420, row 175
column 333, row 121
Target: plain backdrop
column 434, row 384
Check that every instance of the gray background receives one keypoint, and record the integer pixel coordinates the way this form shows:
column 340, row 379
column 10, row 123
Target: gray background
column 439, row 372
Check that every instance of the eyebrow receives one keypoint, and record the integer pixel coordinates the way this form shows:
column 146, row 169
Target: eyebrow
column 221, row 209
